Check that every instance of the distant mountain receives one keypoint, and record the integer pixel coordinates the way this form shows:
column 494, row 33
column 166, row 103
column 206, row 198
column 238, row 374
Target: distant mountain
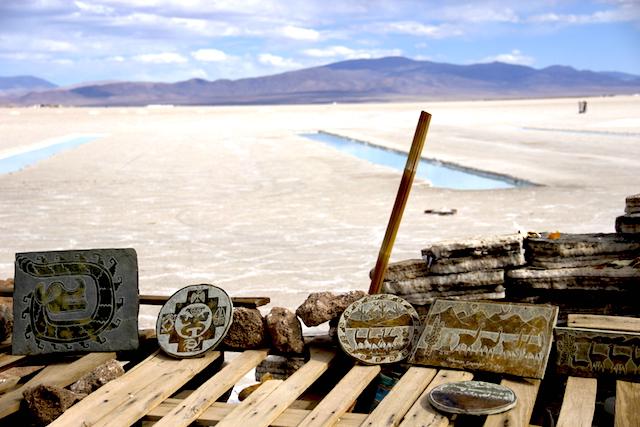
column 23, row 84
column 363, row 80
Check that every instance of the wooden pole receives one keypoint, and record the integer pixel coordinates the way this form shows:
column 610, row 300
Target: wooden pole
column 401, row 201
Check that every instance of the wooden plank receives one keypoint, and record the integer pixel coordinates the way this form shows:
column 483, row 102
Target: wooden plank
column 60, row 375
column 422, row 413
column 579, row 402
column 341, row 397
column 128, row 398
column 610, row 323
column 268, row 409
column 526, row 390
column 9, row 359
column 395, row 405
column 217, row 411
column 194, row 405
column 254, row 398
column 627, row 404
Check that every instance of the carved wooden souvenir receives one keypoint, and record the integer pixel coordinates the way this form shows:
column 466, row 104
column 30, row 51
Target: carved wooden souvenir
column 378, row 329
column 472, row 398
column 194, row 320
column 593, row 353
column 495, row 337
column 75, row 301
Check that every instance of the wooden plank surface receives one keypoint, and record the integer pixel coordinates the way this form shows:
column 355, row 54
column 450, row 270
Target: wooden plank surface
column 422, row 413
column 341, row 397
column 9, row 359
column 612, row 323
column 254, row 398
column 58, row 374
column 404, row 393
column 526, row 391
column 627, row 404
column 194, row 405
column 129, row 397
column 268, row 409
column 579, row 402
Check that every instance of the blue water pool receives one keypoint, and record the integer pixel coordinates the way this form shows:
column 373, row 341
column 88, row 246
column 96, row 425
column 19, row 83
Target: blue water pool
column 19, row 161
column 439, row 174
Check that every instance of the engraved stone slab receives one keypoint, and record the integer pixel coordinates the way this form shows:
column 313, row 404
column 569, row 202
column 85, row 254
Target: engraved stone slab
column 83, row 300
column 194, row 320
column 486, row 336
column 592, row 353
column 378, row 329
column 472, row 398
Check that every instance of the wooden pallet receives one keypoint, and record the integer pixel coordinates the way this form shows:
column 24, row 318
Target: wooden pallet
column 152, row 391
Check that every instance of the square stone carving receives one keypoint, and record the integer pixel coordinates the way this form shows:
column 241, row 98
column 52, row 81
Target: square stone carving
column 594, row 353
column 83, row 300
column 482, row 336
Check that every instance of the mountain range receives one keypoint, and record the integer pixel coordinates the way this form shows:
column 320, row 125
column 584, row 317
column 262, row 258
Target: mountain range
column 362, row 80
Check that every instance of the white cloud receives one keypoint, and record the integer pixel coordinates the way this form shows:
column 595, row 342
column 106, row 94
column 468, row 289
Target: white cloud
column 117, row 58
column 53, row 46
column 348, row 53
column 161, row 58
column 514, row 57
column 209, row 55
column 277, row 61
column 299, row 33
column 418, row 29
column 97, row 9
column 599, row 17
column 63, row 61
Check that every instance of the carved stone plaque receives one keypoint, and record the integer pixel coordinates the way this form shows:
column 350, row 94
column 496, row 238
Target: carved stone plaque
column 485, row 336
column 75, row 301
column 378, row 329
column 194, row 320
column 594, row 353
column 472, row 398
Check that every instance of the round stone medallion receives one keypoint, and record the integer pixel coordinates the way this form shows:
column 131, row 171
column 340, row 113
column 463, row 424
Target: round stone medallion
column 378, row 329
column 194, row 320
column 472, row 398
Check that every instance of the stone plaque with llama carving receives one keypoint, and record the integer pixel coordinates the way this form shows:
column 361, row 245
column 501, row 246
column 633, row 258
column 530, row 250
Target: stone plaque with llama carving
column 594, row 353
column 482, row 336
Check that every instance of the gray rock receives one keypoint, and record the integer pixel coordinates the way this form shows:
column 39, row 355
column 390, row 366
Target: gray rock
column 628, row 224
column 247, row 329
column 445, row 282
column 624, row 276
column 405, row 270
column 482, row 292
column 90, row 298
column 98, row 377
column 45, row 403
column 456, row 265
column 320, row 307
column 632, row 204
column 6, row 321
column 278, row 367
column 285, row 330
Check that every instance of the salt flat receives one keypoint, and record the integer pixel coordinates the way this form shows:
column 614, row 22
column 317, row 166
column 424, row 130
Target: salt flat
column 234, row 196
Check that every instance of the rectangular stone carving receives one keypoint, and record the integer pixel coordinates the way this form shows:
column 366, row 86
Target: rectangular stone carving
column 594, row 353
column 485, row 336
column 84, row 300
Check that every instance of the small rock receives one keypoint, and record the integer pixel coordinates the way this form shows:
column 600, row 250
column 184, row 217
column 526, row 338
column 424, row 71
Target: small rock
column 278, row 367
column 98, row 377
column 247, row 329
column 285, row 330
column 46, row 403
column 6, row 321
column 320, row 307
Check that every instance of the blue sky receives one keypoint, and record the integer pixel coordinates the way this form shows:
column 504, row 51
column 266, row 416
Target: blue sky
column 69, row 42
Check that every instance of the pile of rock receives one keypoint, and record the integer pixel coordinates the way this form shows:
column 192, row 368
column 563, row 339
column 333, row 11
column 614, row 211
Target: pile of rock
column 630, row 221
column 462, row 269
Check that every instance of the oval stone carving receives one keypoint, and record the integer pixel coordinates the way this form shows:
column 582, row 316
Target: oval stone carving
column 472, row 398
column 378, row 329
column 194, row 320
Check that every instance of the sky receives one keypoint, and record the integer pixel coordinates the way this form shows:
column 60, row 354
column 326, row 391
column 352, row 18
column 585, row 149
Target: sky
column 69, row 42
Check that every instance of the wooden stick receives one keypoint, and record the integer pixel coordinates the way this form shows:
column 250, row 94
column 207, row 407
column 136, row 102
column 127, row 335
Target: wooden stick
column 401, row 201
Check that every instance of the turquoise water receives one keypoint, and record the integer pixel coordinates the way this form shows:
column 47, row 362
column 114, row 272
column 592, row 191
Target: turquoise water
column 22, row 160
column 439, row 174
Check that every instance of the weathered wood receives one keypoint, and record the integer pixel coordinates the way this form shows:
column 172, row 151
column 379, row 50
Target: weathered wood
column 55, row 374
column 268, row 409
column 579, row 403
column 413, row 160
column 7, row 382
column 128, row 398
column 404, row 393
column 421, row 412
column 341, row 397
column 9, row 360
column 627, row 404
column 194, row 405
column 265, row 389
column 495, row 337
column 527, row 391
column 611, row 323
